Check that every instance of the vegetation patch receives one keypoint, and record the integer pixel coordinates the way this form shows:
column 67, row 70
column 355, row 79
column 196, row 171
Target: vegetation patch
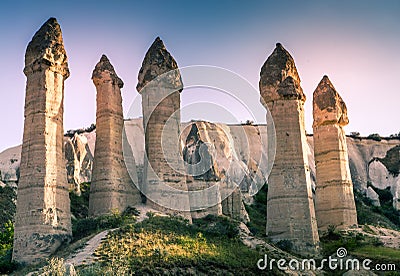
column 392, row 160
column 80, row 204
column 168, row 244
column 258, row 213
column 385, row 215
column 8, row 196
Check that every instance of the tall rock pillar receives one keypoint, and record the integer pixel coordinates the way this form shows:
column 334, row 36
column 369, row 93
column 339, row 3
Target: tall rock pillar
column 290, row 208
column 112, row 187
column 160, row 84
column 334, row 189
column 43, row 219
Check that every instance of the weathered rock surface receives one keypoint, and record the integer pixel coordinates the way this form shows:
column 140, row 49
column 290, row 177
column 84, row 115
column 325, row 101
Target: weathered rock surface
column 43, row 219
column 290, row 207
column 160, row 84
column 371, row 194
column 79, row 160
column 334, row 198
column 10, row 161
column 112, row 187
column 223, row 165
column 201, row 175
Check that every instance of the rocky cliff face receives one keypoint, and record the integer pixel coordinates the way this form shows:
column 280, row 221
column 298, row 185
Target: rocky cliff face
column 366, row 156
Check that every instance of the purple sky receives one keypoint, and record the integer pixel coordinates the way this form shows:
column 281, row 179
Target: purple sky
column 355, row 43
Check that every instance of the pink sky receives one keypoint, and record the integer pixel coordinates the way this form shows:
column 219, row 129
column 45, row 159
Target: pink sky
column 355, row 43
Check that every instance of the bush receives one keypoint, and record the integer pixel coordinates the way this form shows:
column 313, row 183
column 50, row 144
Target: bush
column 285, row 245
column 258, row 212
column 85, row 227
column 8, row 196
column 218, row 226
column 375, row 136
column 80, row 204
column 6, row 263
column 54, row 267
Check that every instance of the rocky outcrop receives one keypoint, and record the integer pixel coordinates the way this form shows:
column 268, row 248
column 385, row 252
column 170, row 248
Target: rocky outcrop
column 290, row 207
column 373, row 196
column 79, row 160
column 215, row 168
column 160, row 84
column 201, row 175
column 334, row 198
column 112, row 187
column 10, row 161
column 43, row 219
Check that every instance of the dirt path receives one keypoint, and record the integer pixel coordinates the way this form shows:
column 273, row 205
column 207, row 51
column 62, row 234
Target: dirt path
column 85, row 255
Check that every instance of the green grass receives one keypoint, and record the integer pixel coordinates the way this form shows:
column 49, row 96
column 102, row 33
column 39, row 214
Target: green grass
column 161, row 244
column 381, row 253
column 258, row 213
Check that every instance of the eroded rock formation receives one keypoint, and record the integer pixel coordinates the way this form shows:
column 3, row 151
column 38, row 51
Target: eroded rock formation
column 202, row 178
column 334, row 189
column 290, row 208
column 160, row 84
column 43, row 219
column 112, row 187
column 79, row 161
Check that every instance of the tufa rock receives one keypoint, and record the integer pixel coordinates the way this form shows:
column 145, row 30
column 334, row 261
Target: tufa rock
column 290, row 207
column 46, row 50
column 112, row 187
column 373, row 196
column 160, row 85
column 201, row 177
column 279, row 78
column 157, row 62
column 43, row 219
column 334, row 201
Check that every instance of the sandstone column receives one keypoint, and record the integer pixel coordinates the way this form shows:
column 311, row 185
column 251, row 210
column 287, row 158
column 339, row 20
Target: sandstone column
column 160, row 84
column 112, row 188
column 290, row 208
column 43, row 219
column 334, row 189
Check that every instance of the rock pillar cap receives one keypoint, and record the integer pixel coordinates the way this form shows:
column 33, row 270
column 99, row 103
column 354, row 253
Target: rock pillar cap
column 157, row 62
column 328, row 106
column 46, row 49
column 104, row 69
column 279, row 78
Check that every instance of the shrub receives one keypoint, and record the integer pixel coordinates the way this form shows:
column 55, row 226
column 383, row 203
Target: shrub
column 6, row 263
column 218, row 226
column 8, row 196
column 258, row 212
column 54, row 267
column 80, row 204
column 285, row 245
column 85, row 227
column 375, row 136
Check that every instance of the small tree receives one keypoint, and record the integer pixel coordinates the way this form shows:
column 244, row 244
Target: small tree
column 375, row 136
